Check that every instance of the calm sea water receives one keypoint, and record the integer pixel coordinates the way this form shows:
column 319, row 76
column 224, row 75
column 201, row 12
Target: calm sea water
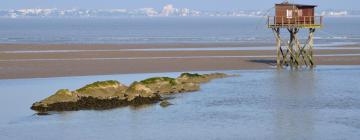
column 264, row 104
column 162, row 30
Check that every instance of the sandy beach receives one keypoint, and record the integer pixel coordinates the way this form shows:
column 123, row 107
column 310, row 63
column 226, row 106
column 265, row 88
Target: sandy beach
column 44, row 60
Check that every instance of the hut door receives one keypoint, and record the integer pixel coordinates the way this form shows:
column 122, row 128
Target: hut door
column 289, row 13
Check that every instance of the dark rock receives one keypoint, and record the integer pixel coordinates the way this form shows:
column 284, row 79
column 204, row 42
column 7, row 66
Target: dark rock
column 165, row 103
column 42, row 113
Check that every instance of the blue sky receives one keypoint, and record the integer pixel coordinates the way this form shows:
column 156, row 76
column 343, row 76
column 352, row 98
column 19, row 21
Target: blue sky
column 217, row 5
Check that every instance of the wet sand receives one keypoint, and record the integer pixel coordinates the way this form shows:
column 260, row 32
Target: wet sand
column 38, row 61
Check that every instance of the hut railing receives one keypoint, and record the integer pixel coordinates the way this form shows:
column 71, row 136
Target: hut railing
column 301, row 21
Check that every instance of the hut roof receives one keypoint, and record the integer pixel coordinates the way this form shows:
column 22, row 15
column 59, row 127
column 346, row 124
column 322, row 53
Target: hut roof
column 294, row 4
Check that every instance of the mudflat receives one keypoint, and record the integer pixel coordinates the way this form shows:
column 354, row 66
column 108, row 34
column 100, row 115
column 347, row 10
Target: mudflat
column 58, row 60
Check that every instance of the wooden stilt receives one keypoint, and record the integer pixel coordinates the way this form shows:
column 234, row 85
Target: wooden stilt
column 278, row 47
column 311, row 46
column 296, row 55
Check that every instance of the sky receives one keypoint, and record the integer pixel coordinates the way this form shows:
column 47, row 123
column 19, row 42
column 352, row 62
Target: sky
column 212, row 5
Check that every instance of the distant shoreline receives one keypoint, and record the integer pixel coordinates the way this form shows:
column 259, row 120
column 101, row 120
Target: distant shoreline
column 160, row 17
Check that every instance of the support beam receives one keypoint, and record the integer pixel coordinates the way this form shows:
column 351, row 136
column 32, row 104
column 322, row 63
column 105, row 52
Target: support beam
column 296, row 55
column 278, row 46
column 311, row 46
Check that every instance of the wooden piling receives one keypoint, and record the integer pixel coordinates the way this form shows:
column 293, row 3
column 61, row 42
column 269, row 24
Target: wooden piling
column 296, row 55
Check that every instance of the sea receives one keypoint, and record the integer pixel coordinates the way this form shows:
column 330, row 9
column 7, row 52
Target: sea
column 135, row 30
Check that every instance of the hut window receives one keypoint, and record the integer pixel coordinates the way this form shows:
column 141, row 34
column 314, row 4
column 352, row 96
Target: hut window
column 289, row 13
column 300, row 13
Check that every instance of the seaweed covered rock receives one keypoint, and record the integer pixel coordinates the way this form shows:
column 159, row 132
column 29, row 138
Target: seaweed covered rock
column 198, row 78
column 64, row 95
column 61, row 100
column 103, row 90
column 98, row 95
column 110, row 94
column 167, row 85
column 138, row 94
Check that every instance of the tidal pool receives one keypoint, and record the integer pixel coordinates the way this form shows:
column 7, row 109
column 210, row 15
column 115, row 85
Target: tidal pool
column 323, row 103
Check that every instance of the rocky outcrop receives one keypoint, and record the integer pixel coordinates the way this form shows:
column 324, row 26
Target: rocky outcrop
column 109, row 94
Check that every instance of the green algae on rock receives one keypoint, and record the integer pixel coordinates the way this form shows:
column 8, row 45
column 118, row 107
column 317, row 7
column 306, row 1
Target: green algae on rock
column 191, row 75
column 110, row 94
column 103, row 89
column 99, row 95
column 166, row 85
column 137, row 91
column 197, row 78
column 64, row 95
column 155, row 80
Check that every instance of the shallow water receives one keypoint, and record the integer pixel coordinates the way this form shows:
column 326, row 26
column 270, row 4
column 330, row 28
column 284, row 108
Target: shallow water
column 262, row 104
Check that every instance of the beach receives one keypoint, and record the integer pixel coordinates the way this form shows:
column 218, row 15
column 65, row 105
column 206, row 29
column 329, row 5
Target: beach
column 59, row 60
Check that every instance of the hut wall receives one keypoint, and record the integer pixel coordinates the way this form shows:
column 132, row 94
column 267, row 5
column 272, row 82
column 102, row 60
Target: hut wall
column 289, row 14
